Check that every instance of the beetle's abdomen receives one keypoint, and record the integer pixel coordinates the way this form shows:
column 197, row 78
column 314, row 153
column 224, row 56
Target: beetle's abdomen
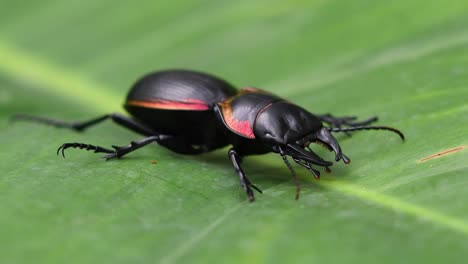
column 180, row 103
column 179, row 90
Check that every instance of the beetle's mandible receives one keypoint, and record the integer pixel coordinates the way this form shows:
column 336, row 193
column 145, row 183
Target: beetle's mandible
column 192, row 112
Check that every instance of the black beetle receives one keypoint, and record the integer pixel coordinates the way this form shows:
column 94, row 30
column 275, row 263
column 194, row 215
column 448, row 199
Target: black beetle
column 191, row 112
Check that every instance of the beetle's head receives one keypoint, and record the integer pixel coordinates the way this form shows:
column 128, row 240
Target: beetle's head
column 290, row 129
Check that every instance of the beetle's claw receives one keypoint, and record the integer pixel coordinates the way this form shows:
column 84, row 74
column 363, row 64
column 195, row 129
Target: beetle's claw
column 316, row 173
column 256, row 188
column 249, row 191
column 96, row 149
column 65, row 146
column 61, row 148
column 250, row 194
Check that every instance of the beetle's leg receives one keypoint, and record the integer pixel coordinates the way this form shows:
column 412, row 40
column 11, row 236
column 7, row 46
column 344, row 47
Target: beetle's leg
column 296, row 179
column 117, row 152
column 244, row 182
column 339, row 122
column 81, row 126
column 182, row 146
column 345, row 120
column 308, row 166
column 96, row 149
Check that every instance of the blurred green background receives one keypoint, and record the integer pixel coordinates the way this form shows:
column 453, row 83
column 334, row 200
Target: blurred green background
column 405, row 61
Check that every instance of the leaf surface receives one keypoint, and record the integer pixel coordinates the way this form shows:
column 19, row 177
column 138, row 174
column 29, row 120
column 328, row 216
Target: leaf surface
column 396, row 202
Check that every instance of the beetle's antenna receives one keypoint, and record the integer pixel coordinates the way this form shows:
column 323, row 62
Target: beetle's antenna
column 347, row 129
column 296, row 179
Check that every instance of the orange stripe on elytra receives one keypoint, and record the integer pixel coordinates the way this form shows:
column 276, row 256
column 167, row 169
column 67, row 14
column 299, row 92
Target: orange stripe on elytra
column 190, row 104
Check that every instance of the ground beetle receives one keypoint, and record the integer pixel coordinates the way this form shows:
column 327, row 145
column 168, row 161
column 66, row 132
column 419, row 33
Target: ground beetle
column 192, row 112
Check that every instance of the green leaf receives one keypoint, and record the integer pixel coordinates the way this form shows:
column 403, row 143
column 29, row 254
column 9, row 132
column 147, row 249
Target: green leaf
column 406, row 62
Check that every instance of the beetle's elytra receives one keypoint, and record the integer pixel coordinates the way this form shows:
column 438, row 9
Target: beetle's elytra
column 191, row 112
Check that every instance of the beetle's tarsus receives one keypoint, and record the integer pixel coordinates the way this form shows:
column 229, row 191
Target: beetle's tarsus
column 298, row 152
column 87, row 147
column 244, row 181
column 118, row 152
column 296, row 179
column 308, row 166
column 246, row 186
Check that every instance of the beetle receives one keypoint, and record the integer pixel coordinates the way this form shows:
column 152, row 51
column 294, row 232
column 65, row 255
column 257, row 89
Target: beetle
column 191, row 112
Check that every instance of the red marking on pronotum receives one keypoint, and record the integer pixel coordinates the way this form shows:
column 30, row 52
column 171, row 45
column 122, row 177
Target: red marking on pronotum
column 189, row 104
column 442, row 153
column 241, row 127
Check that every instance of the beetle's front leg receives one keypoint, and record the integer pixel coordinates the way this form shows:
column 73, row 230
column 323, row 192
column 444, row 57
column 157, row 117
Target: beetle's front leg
column 308, row 166
column 350, row 121
column 345, row 120
column 244, row 182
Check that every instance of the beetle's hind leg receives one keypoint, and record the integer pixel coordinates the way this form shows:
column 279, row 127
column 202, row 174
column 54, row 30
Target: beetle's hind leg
column 118, row 152
column 97, row 149
column 81, row 126
column 244, row 181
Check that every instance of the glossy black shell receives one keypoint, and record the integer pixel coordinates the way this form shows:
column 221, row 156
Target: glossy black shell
column 284, row 122
column 197, row 127
column 181, row 85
